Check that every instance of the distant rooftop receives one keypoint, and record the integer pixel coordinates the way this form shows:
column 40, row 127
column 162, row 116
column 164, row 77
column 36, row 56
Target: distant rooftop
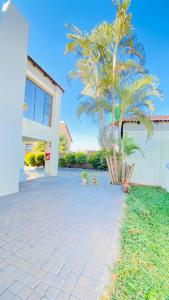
column 63, row 126
column 35, row 64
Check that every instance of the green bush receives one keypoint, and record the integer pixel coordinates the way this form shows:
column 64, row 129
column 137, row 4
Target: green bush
column 102, row 161
column 62, row 162
column 40, row 159
column 81, row 159
column 30, row 159
column 70, row 159
column 94, row 160
column 97, row 160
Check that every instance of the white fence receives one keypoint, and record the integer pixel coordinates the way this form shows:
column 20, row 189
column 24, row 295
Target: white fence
column 153, row 168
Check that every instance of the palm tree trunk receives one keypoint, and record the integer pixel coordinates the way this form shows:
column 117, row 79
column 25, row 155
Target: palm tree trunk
column 110, row 168
column 104, row 145
column 114, row 166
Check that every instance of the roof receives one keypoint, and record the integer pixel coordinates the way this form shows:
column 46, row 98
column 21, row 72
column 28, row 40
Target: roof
column 153, row 118
column 35, row 64
column 64, row 127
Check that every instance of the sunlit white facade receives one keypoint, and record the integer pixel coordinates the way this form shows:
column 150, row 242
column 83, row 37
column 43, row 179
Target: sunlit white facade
column 30, row 102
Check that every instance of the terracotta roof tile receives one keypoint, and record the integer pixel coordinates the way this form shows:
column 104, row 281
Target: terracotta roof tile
column 153, row 118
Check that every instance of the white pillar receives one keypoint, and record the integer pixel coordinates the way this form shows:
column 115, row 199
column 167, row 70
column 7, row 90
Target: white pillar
column 51, row 166
column 13, row 61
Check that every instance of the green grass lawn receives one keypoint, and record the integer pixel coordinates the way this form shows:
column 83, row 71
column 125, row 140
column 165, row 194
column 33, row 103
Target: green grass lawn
column 142, row 270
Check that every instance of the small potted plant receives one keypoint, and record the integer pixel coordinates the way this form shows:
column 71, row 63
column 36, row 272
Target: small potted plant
column 125, row 186
column 127, row 177
column 94, row 178
column 85, row 177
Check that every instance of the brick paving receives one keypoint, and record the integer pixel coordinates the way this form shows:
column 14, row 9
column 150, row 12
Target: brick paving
column 57, row 238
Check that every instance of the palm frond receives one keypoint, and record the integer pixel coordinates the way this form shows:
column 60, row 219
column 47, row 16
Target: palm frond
column 130, row 66
column 141, row 117
column 129, row 146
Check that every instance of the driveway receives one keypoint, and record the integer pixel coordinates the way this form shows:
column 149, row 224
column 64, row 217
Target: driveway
column 30, row 173
column 57, row 238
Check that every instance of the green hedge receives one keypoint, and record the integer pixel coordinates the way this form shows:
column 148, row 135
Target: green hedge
column 35, row 159
column 30, row 159
column 40, row 159
column 70, row 159
column 95, row 160
column 81, row 158
column 62, row 162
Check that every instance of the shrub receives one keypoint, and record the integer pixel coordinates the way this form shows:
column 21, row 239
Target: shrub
column 30, row 159
column 97, row 160
column 94, row 160
column 70, row 159
column 81, row 159
column 102, row 161
column 62, row 162
column 40, row 159
column 63, row 143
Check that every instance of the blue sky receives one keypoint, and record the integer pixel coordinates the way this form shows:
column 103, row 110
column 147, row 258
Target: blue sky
column 47, row 41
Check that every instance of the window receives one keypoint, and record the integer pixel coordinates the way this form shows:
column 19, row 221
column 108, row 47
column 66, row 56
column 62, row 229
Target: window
column 28, row 147
column 38, row 104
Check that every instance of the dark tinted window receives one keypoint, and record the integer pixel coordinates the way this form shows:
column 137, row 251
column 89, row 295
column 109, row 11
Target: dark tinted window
column 38, row 104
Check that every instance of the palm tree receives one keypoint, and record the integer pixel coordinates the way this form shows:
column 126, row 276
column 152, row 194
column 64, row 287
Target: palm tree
column 128, row 147
column 125, row 78
column 110, row 65
column 89, row 69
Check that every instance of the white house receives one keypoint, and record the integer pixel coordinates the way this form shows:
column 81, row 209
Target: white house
column 23, row 83
column 153, row 167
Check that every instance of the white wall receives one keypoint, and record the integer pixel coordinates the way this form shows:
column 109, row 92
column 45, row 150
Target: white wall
column 36, row 131
column 149, row 169
column 164, row 166
column 13, row 59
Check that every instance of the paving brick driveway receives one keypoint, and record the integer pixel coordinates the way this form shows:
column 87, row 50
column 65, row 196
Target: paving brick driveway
column 58, row 237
